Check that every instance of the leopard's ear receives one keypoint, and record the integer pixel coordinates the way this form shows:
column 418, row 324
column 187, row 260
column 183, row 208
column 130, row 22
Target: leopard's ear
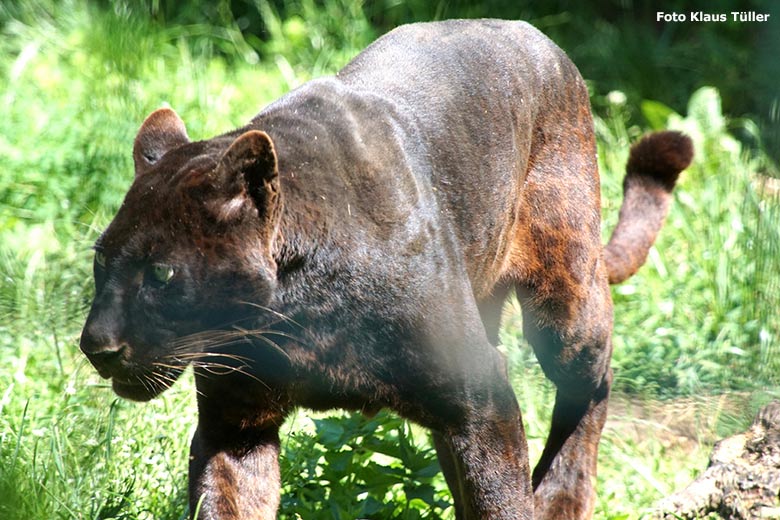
column 250, row 171
column 162, row 131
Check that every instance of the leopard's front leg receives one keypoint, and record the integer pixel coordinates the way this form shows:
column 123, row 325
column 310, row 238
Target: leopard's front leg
column 234, row 455
column 235, row 478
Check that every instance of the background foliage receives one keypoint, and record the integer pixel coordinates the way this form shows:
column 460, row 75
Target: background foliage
column 76, row 79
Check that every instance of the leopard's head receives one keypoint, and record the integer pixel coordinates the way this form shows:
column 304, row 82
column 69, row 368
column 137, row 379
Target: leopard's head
column 190, row 253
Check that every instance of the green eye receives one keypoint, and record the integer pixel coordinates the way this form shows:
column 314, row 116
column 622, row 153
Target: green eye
column 100, row 258
column 163, row 273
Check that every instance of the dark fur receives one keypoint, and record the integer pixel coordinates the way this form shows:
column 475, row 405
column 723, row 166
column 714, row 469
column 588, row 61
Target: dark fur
column 352, row 246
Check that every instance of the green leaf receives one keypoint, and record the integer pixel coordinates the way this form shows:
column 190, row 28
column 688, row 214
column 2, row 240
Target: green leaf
column 704, row 107
column 330, row 432
column 656, row 113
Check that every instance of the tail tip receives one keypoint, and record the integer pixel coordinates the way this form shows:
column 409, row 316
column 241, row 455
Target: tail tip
column 662, row 156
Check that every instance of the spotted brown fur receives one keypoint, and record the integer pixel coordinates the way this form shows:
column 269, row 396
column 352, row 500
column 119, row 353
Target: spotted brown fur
column 352, row 247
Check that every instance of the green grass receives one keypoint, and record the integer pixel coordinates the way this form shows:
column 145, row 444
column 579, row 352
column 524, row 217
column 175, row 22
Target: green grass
column 706, row 300
column 76, row 81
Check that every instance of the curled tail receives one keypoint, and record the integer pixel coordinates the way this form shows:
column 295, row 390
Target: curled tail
column 653, row 166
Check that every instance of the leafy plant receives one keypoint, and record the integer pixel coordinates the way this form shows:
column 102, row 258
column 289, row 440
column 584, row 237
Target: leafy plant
column 353, row 467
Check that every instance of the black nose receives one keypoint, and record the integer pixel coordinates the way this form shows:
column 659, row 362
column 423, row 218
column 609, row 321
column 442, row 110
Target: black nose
column 106, row 356
column 107, row 361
